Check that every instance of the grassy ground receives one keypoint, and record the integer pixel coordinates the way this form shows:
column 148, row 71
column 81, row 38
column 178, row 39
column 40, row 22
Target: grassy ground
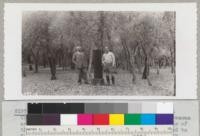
column 66, row 84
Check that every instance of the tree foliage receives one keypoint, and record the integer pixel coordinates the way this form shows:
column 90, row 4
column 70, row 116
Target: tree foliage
column 138, row 39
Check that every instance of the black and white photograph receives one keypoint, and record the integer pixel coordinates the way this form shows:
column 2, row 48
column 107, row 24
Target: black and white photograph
column 100, row 51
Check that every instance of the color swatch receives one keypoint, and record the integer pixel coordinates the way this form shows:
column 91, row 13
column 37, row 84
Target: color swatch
column 112, row 108
column 85, row 119
column 100, row 119
column 100, row 114
column 148, row 119
column 116, row 119
column 68, row 119
column 132, row 119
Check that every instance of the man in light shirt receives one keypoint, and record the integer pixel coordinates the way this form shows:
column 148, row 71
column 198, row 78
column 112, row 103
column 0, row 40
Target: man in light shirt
column 108, row 61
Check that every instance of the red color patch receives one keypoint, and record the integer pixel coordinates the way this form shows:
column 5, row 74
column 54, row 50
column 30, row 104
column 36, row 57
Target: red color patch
column 101, row 119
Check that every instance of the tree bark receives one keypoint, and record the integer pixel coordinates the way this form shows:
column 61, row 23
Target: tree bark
column 44, row 61
column 133, row 70
column 30, row 67
column 97, row 53
column 30, row 63
column 158, row 71
column 127, row 55
column 157, row 64
column 60, row 61
column 36, row 59
column 130, row 60
column 72, row 65
column 138, row 62
column 36, row 66
column 90, row 65
column 64, row 61
column 52, row 64
column 145, row 74
column 98, row 68
column 146, row 67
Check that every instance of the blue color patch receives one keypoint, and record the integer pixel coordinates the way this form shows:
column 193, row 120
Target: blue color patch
column 148, row 119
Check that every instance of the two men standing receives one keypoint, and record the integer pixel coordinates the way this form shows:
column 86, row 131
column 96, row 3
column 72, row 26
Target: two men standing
column 108, row 62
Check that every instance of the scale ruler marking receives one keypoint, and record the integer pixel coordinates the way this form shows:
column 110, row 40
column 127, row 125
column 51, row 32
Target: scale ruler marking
column 166, row 130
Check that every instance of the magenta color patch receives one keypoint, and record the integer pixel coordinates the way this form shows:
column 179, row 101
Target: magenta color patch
column 84, row 119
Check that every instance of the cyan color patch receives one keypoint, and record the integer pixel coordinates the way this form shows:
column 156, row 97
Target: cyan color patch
column 148, row 119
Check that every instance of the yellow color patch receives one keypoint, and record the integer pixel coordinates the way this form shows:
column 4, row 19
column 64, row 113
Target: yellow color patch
column 116, row 119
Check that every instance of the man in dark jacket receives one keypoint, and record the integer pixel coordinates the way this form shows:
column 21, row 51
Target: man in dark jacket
column 79, row 59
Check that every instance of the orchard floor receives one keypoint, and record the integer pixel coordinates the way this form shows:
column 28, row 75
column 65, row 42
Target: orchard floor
column 66, row 84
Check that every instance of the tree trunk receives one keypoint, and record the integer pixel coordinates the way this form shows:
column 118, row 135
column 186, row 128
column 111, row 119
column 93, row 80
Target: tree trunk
column 36, row 66
column 36, row 60
column 138, row 63
column 30, row 67
column 30, row 63
column 97, row 53
column 157, row 64
column 145, row 71
column 60, row 61
column 44, row 61
column 98, row 68
column 133, row 69
column 157, row 68
column 130, row 60
column 127, row 57
column 64, row 61
column 52, row 64
column 90, row 65
column 145, row 74
column 72, row 65
column 44, row 64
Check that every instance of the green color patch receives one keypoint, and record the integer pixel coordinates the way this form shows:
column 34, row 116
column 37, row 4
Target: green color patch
column 132, row 119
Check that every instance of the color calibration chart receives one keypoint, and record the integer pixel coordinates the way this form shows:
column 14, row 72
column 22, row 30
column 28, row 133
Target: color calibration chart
column 138, row 118
column 109, row 114
column 99, row 119
column 109, row 119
